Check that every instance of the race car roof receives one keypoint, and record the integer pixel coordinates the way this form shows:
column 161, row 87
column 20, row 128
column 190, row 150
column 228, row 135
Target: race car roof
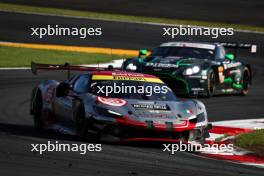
column 190, row 44
column 125, row 76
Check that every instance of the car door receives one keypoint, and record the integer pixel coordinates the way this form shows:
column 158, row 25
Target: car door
column 232, row 73
column 62, row 106
column 79, row 87
column 231, row 69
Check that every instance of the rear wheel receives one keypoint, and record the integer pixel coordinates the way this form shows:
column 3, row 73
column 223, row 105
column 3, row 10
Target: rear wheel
column 245, row 81
column 38, row 111
column 211, row 78
column 125, row 64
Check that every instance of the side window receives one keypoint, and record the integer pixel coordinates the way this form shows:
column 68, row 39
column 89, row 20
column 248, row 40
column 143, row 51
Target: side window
column 81, row 84
column 221, row 52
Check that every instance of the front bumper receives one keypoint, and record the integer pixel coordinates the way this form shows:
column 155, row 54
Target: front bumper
column 124, row 129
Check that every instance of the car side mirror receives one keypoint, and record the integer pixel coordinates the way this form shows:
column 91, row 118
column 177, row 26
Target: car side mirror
column 230, row 56
column 142, row 53
column 63, row 89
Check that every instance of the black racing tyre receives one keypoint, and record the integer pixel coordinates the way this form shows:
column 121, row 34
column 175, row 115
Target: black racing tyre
column 245, row 81
column 38, row 111
column 125, row 63
column 211, row 78
column 82, row 124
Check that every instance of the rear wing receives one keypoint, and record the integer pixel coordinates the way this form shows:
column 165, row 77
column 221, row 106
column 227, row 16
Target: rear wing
column 232, row 45
column 67, row 67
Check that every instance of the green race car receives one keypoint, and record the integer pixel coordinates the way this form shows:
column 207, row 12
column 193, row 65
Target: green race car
column 196, row 68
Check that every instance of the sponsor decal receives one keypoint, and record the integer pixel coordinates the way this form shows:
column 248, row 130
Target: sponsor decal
column 161, row 65
column 235, row 71
column 227, row 90
column 197, row 89
column 112, row 101
column 126, row 78
column 195, row 76
column 189, row 111
column 151, row 107
column 231, row 65
column 156, row 114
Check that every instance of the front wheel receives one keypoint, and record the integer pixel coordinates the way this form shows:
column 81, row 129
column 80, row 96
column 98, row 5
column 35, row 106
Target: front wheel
column 125, row 64
column 245, row 81
column 211, row 78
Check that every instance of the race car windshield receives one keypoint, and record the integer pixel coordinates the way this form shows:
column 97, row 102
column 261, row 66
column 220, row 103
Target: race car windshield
column 183, row 52
column 132, row 90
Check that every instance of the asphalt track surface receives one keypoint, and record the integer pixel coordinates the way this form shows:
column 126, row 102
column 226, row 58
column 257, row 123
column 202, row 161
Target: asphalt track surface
column 17, row 133
column 225, row 11
column 17, row 26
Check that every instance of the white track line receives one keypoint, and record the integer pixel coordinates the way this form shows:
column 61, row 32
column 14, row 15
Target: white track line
column 15, row 68
column 248, row 123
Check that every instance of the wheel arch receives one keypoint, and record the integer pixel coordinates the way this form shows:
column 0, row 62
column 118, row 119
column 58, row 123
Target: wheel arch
column 40, row 89
column 215, row 70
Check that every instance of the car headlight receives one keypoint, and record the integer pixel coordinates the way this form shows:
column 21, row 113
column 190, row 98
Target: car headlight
column 195, row 69
column 114, row 113
column 188, row 71
column 131, row 66
column 107, row 112
column 192, row 70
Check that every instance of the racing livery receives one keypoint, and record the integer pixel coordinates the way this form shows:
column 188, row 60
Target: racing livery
column 193, row 68
column 76, row 106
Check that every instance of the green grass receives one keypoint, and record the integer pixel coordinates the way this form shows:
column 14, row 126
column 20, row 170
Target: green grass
column 22, row 57
column 87, row 14
column 253, row 141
